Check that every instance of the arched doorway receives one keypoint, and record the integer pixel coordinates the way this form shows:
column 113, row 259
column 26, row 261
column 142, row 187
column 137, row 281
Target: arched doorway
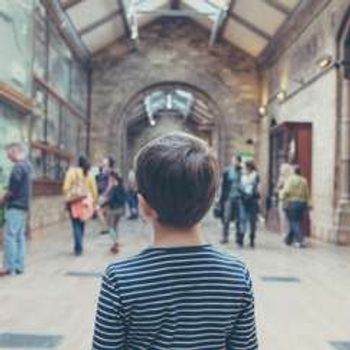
column 166, row 107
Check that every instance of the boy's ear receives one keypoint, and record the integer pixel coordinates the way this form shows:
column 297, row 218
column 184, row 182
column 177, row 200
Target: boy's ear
column 147, row 210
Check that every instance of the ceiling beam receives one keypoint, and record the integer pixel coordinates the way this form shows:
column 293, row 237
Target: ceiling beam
column 222, row 14
column 252, row 27
column 175, row 13
column 100, row 22
column 224, row 24
column 278, row 6
column 124, row 18
column 70, row 3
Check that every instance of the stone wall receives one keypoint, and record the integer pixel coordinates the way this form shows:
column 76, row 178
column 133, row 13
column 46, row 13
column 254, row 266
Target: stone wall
column 312, row 96
column 46, row 211
column 173, row 51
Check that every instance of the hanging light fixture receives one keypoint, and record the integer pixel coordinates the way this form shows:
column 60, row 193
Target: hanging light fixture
column 281, row 96
column 262, row 111
column 325, row 61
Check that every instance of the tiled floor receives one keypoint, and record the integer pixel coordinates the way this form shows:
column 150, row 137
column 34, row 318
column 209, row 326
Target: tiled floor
column 302, row 296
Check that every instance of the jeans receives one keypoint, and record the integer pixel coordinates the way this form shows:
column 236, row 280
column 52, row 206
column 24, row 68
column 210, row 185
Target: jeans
column 133, row 203
column 295, row 214
column 14, row 240
column 231, row 211
column 249, row 216
column 78, row 235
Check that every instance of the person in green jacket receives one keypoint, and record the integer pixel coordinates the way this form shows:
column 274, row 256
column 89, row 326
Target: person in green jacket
column 296, row 199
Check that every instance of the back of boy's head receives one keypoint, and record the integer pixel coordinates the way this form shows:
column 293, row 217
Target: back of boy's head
column 177, row 174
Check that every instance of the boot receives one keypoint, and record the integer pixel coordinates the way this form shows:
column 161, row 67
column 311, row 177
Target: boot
column 115, row 248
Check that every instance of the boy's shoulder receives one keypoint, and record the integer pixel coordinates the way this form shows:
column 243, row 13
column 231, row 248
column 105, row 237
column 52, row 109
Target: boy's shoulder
column 146, row 257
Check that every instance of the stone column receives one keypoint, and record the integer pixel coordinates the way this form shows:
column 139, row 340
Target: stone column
column 342, row 221
column 345, row 144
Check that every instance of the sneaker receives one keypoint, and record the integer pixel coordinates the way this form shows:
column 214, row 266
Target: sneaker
column 299, row 245
column 115, row 248
column 224, row 241
column 4, row 273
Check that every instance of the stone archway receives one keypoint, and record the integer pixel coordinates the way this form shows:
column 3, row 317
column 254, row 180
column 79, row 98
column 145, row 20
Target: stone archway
column 205, row 120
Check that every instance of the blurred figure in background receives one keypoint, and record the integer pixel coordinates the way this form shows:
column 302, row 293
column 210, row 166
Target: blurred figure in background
column 102, row 179
column 230, row 197
column 132, row 198
column 17, row 202
column 115, row 200
column 249, row 203
column 286, row 170
column 297, row 201
column 81, row 196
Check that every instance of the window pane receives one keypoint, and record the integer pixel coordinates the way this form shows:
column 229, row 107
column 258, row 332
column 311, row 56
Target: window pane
column 79, row 87
column 59, row 66
column 40, row 42
column 16, row 43
column 38, row 121
column 53, row 121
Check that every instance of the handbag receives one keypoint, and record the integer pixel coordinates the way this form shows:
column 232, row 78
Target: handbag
column 83, row 209
column 78, row 190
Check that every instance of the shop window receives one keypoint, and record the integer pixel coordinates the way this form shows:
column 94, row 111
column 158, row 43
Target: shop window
column 15, row 44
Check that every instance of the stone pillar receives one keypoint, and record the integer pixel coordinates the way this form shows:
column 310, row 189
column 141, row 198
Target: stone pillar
column 342, row 222
column 263, row 153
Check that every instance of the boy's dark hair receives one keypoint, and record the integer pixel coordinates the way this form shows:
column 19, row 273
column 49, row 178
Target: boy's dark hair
column 177, row 174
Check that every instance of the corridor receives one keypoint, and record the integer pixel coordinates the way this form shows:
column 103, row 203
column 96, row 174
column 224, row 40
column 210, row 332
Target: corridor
column 302, row 296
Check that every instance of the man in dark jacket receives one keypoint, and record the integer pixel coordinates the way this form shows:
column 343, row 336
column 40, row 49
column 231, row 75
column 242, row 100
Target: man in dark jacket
column 230, row 196
column 17, row 201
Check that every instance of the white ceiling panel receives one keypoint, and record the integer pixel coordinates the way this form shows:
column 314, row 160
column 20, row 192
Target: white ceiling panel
column 260, row 14
column 150, row 5
column 89, row 11
column 242, row 37
column 289, row 3
column 104, row 35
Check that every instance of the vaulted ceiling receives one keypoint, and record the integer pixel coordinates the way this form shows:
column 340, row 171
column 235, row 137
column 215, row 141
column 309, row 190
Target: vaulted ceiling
column 248, row 24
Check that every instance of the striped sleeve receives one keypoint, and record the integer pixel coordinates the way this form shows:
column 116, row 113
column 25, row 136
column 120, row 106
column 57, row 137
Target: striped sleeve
column 243, row 336
column 109, row 332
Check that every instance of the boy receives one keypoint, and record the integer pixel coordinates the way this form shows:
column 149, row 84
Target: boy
column 180, row 293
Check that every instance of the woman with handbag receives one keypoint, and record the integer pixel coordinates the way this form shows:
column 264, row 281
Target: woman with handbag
column 80, row 191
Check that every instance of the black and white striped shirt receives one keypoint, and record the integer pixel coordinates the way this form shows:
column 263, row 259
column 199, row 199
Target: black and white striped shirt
column 176, row 298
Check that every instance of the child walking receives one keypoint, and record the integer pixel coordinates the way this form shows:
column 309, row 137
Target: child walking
column 180, row 293
column 115, row 203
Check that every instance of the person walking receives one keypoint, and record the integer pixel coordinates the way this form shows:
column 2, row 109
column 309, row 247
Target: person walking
column 115, row 200
column 286, row 170
column 297, row 200
column 17, row 203
column 230, row 197
column 81, row 196
column 249, row 202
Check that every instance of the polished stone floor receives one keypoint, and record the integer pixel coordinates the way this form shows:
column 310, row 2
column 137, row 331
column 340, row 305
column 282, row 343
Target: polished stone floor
column 302, row 296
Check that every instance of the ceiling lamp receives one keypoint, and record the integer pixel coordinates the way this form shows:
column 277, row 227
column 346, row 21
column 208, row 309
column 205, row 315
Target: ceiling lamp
column 262, row 111
column 281, row 96
column 325, row 61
